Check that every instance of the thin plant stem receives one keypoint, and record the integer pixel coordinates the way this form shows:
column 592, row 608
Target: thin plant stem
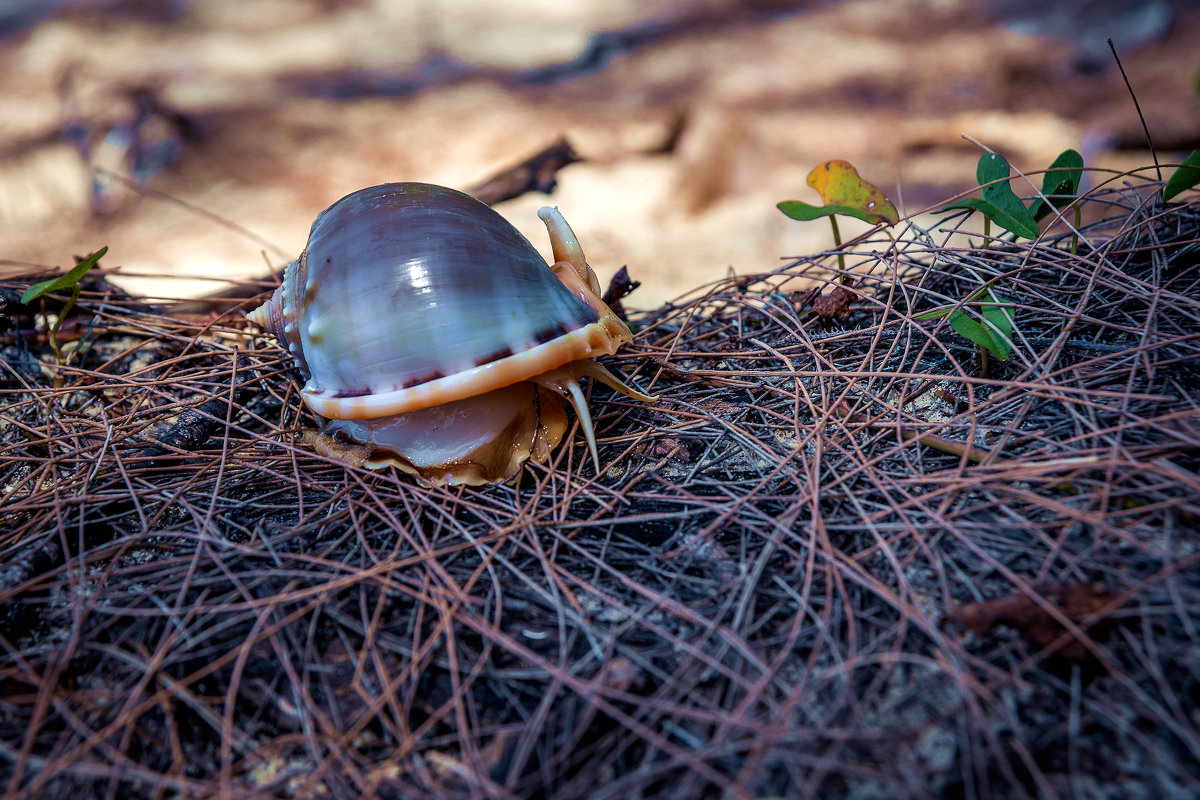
column 1075, row 233
column 837, row 242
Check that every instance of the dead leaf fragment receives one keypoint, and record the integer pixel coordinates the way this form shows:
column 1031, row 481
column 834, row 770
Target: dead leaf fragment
column 1018, row 610
column 835, row 305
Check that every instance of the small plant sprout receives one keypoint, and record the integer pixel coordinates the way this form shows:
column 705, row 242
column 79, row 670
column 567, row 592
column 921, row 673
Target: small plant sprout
column 992, row 332
column 843, row 191
column 999, row 204
column 1060, row 188
column 69, row 280
column 1184, row 178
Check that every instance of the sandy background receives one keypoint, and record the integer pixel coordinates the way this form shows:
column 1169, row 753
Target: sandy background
column 240, row 121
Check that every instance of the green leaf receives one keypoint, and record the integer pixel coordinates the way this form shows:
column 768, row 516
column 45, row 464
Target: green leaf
column 999, row 312
column 1060, row 184
column 804, row 212
column 936, row 313
column 70, row 279
column 991, row 168
column 999, row 203
column 995, row 338
column 972, row 329
column 1186, row 177
column 992, row 173
column 1022, row 224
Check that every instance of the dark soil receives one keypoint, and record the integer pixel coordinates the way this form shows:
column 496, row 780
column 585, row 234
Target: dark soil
column 840, row 556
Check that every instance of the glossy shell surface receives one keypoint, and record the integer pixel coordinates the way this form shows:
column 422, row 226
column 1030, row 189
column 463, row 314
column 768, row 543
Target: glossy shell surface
column 411, row 295
column 425, row 315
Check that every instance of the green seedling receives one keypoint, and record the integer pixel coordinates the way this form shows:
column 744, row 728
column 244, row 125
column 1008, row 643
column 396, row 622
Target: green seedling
column 992, row 333
column 69, row 280
column 843, row 191
column 999, row 204
column 1060, row 188
column 1186, row 177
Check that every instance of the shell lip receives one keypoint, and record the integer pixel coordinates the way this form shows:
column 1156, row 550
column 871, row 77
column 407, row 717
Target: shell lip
column 598, row 338
column 527, row 423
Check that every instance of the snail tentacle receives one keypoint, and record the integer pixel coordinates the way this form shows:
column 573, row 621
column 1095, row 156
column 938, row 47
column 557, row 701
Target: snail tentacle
column 598, row 372
column 585, row 419
column 565, row 246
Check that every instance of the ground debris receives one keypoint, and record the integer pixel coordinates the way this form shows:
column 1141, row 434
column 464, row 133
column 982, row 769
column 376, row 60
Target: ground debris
column 1076, row 602
column 744, row 603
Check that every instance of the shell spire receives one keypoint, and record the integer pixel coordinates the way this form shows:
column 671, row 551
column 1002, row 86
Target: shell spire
column 278, row 315
column 266, row 315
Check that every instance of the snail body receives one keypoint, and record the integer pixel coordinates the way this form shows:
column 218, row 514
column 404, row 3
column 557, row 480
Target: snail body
column 430, row 332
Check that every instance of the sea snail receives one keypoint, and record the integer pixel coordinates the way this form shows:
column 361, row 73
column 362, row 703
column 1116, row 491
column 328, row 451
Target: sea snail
column 431, row 333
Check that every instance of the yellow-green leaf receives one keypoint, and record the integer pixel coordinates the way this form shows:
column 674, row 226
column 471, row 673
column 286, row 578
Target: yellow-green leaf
column 839, row 184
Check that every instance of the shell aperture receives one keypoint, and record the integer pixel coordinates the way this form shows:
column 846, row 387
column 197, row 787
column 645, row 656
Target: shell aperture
column 483, row 439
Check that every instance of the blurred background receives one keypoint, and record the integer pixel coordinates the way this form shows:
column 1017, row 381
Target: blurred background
column 200, row 139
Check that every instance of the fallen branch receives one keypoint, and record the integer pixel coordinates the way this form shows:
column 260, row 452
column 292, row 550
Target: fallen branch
column 538, row 173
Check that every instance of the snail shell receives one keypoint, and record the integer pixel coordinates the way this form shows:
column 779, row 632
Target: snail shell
column 431, row 332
